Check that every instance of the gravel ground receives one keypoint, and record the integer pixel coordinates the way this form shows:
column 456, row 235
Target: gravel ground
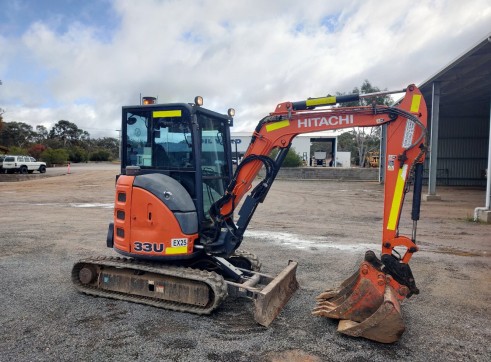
column 49, row 223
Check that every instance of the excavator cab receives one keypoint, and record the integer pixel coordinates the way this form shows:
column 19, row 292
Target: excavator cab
column 184, row 141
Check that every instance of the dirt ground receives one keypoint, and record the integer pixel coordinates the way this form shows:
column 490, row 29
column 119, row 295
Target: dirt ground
column 49, row 223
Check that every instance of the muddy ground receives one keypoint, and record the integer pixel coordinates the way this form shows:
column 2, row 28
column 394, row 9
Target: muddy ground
column 47, row 224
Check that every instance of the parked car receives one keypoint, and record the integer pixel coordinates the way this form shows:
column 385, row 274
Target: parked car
column 1, row 164
column 22, row 164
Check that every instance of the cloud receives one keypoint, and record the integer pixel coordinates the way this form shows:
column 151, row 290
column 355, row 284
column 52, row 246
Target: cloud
column 247, row 55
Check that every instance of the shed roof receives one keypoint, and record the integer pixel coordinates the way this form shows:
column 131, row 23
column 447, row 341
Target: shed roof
column 465, row 84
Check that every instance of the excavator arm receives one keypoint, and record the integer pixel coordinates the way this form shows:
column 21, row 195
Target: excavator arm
column 406, row 146
column 378, row 283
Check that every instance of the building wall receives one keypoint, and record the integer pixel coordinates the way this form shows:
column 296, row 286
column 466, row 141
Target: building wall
column 301, row 143
column 463, row 150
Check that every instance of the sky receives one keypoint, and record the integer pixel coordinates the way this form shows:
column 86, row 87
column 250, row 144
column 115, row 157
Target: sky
column 82, row 60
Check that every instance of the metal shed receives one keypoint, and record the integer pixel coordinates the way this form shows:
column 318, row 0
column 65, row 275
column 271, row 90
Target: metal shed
column 459, row 103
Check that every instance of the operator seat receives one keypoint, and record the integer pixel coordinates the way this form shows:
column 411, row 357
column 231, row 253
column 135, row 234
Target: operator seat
column 160, row 157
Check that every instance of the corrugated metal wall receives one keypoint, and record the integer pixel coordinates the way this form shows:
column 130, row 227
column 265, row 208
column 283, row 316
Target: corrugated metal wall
column 462, row 151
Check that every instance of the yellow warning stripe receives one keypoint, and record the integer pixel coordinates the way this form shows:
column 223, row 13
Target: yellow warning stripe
column 167, row 114
column 177, row 250
column 277, row 125
column 320, row 101
column 415, row 103
column 396, row 201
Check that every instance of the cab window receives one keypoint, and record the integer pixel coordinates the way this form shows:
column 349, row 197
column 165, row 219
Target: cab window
column 159, row 139
column 214, row 166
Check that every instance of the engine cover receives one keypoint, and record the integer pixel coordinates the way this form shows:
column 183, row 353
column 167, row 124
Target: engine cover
column 154, row 218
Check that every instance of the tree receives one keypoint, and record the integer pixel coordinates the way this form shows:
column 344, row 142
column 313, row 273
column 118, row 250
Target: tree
column 1, row 118
column 36, row 150
column 347, row 143
column 77, row 154
column 41, row 135
column 63, row 141
column 100, row 155
column 2, row 149
column 16, row 150
column 367, row 139
column 68, row 133
column 109, row 144
column 51, row 156
column 16, row 134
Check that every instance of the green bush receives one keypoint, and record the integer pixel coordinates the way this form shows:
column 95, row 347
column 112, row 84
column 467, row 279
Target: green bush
column 292, row 159
column 100, row 155
column 58, row 156
column 77, row 154
column 14, row 150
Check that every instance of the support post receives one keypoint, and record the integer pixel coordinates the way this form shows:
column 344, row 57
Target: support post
column 483, row 214
column 435, row 120
column 334, row 152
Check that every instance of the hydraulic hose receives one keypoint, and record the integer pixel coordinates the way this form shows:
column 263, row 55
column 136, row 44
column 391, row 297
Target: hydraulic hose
column 418, row 186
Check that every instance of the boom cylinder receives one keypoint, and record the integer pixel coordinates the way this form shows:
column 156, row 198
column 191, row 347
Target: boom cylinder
column 324, row 101
column 332, row 100
column 416, row 208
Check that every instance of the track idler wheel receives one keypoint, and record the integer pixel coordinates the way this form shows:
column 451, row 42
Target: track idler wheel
column 87, row 274
column 366, row 304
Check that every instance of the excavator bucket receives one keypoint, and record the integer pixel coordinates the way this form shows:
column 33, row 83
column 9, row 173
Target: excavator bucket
column 366, row 304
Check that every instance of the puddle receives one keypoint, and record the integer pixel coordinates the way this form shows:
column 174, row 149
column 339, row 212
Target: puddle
column 96, row 205
column 293, row 241
column 102, row 206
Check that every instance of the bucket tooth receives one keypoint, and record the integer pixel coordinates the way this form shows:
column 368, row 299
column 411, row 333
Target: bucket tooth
column 344, row 288
column 366, row 305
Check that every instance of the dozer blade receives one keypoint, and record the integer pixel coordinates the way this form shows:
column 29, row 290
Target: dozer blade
column 366, row 305
column 270, row 294
column 271, row 300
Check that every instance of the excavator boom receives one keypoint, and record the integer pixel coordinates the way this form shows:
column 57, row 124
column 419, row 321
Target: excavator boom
column 368, row 302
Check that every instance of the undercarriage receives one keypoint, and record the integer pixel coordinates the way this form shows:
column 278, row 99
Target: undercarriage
column 199, row 289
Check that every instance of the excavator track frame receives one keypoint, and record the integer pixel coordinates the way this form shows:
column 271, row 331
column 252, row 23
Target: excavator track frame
column 269, row 294
column 215, row 283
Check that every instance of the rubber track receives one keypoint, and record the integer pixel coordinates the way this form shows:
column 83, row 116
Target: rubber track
column 214, row 281
column 253, row 259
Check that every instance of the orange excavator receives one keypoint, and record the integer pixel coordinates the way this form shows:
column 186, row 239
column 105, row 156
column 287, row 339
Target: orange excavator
column 177, row 195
